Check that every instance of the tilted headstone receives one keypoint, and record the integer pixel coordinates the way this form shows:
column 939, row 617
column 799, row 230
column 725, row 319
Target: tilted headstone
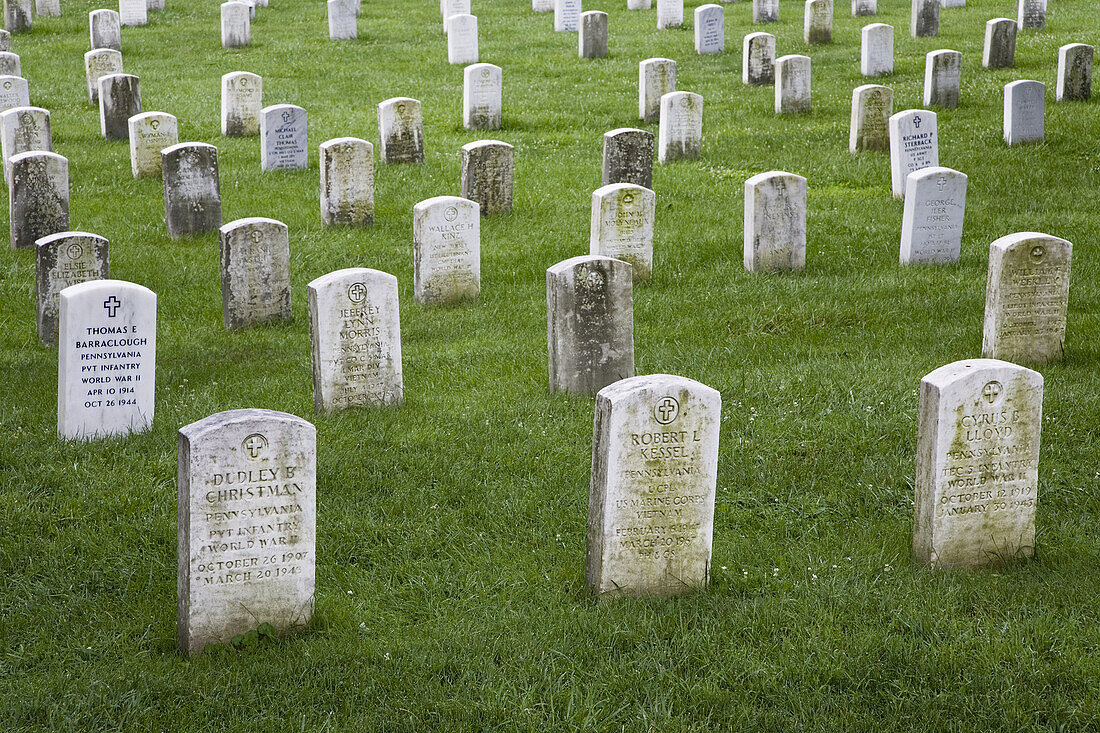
column 10, row 64
column 775, row 222
column 792, row 84
column 355, row 331
column 924, row 18
column 592, row 36
column 670, row 13
column 622, row 226
column 817, row 26
column 98, row 64
column 347, row 182
column 710, row 29
column 105, row 29
column 341, row 20
column 39, row 197
column 638, row 4
column 977, row 459
column 567, row 15
column 23, row 129
column 680, row 132
column 942, row 77
column 590, row 323
column 999, row 50
column 192, row 193
column 18, row 15
column 400, row 131
column 758, row 59
column 446, row 250
column 242, row 103
column 482, row 93
column 876, row 52
column 656, row 78
column 462, row 40
column 61, row 260
column 1026, row 298
column 133, row 12
column 628, row 157
column 651, row 500
column 236, row 24
column 914, row 144
column 487, row 171
column 765, row 11
column 107, row 359
column 284, row 137
column 1031, row 13
column 1024, row 111
column 119, row 100
column 247, row 526
column 14, row 92
column 932, row 223
column 255, row 258
column 1074, row 73
column 872, row 105
column 862, row 8
column 150, row 133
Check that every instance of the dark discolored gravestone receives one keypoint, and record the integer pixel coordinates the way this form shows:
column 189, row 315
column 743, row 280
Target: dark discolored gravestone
column 628, row 157
column 255, row 268
column 61, row 260
column 192, row 192
column 39, row 197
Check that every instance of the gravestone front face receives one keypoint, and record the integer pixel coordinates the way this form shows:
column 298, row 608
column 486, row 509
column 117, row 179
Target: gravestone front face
column 628, row 157
column 872, row 106
column 97, row 64
column 47, row 8
column 119, row 100
column 977, row 464
column 400, row 131
column 775, row 222
column 592, row 37
column 914, row 144
column 622, row 226
column 1074, row 73
column 862, row 8
column 10, row 64
column 242, row 103
column 670, row 13
column 817, row 25
column 255, row 268
column 710, row 29
column 651, row 500
column 482, row 92
column 446, row 250
column 999, row 50
column 758, row 59
column 284, row 139
column 792, row 84
column 680, row 132
column 1026, row 298
column 450, row 8
column 61, row 260
column 656, row 78
column 487, row 167
column 347, row 182
column 462, row 40
column 14, row 92
column 236, row 25
column 876, row 52
column 133, row 12
column 192, row 194
column 105, row 28
column 39, row 197
column 567, row 15
column 932, row 222
column 765, row 11
column 355, row 331
column 942, row 77
column 542, row 6
column 5, row 40
column 150, row 133
column 1031, row 13
column 924, row 18
column 247, row 503
column 636, row 4
column 1024, row 111
column 341, row 20
column 23, row 129
column 107, row 354
column 18, row 15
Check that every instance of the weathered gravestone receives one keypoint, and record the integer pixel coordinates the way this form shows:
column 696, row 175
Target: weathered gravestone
column 159, row 4
column 628, row 157
column 242, row 103
column 765, row 11
column 567, row 15
column 775, row 222
column 107, row 354
column 39, row 197
column 255, row 257
column 14, row 92
column 482, row 92
column 656, row 78
column 5, row 40
column 246, row 555
column 1024, row 110
column 862, row 8
column 1026, row 298
column 792, row 84
column 133, row 12
column 150, row 133
column 284, row 138
column 119, row 100
column 589, row 323
column 999, row 49
column 61, row 260
column 18, row 15
column 977, row 464
column 817, row 22
column 680, row 131
column 23, row 129
column 400, row 131
column 1074, row 73
column 651, row 501
column 542, row 6
column 1031, row 13
column 236, row 25
column 876, row 52
column 446, row 250
column 355, row 331
column 710, row 29
column 192, row 193
column 953, row 3
column 592, row 36
column 347, row 182
column 341, row 21
column 98, row 64
column 872, row 105
column 487, row 171
column 942, row 76
column 622, row 226
column 10, row 64
column 758, row 59
column 105, row 29
column 462, row 40
column 924, row 18
column 639, row 4
column 914, row 144
column 670, row 13
column 932, row 222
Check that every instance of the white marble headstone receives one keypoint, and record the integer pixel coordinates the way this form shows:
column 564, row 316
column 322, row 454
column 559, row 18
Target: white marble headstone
column 775, row 222
column 656, row 78
column 622, row 226
column 758, row 59
column 284, row 139
column 942, row 78
column 105, row 29
column 1024, row 111
column 341, row 20
column 765, row 11
column 242, row 103
column 792, row 84
column 876, row 53
column 592, row 35
column 236, row 24
column 23, row 129
column 924, row 18
column 482, row 91
column 872, row 105
column 670, row 13
column 680, row 132
column 1074, row 73
column 119, row 100
column 710, row 29
column 817, row 25
column 347, row 182
column 97, row 64
column 567, row 15
column 10, row 64
column 446, row 250
column 400, row 131
column 255, row 268
column 150, row 133
column 1031, row 13
column 462, row 40
column 628, row 157
column 932, row 221
column 18, row 15
column 14, row 92
column 864, row 7
column 133, row 12
column 914, row 144
column 61, row 260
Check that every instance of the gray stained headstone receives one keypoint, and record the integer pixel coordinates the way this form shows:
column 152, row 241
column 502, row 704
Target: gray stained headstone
column 106, row 361
column 61, row 260
column 255, row 259
column 775, row 222
column 1026, row 298
column 932, row 223
column 999, row 49
column 710, row 29
column 670, row 14
column 192, row 193
column 236, row 24
column 347, row 182
column 622, row 226
column 680, row 131
column 462, row 40
column 758, row 59
column 567, row 15
column 862, row 8
column 628, row 157
column 23, row 129
column 5, row 40
column 651, row 498
column 400, row 131
column 242, row 103
column 765, row 11
column 159, row 4
column 1024, row 111
column 133, row 12
column 446, row 250
column 1074, row 73
column 589, row 323
column 14, row 92
column 817, row 25
column 355, row 332
column 952, row 3
column 150, row 133
column 872, row 105
column 98, row 64
column 119, row 100
column 977, row 461
column 47, row 8
column 942, row 77
column 876, row 52
column 656, row 78
column 482, row 93
column 924, row 18
column 1031, row 14
column 105, row 29
column 9, row 64
column 487, row 172
column 18, row 15
column 792, row 84
column 39, row 197
column 341, row 21
column 247, row 526
column 592, row 35
column 283, row 137
column 914, row 144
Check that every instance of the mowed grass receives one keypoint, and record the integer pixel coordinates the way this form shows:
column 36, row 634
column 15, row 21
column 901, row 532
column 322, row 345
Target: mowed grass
column 451, row 530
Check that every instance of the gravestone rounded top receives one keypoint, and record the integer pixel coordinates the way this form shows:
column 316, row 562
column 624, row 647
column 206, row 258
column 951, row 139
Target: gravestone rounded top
column 656, row 60
column 876, row 26
column 664, row 413
column 626, row 131
column 250, row 221
column 358, row 274
column 151, row 116
column 92, row 288
column 451, row 202
column 1011, row 241
column 38, row 154
column 772, row 175
column 277, row 108
column 338, row 141
column 477, row 144
column 984, row 372
column 184, row 147
column 215, row 423
column 792, row 57
column 481, row 66
column 241, row 75
column 613, row 188
column 18, row 111
column 50, row 239
column 111, row 78
column 581, row 260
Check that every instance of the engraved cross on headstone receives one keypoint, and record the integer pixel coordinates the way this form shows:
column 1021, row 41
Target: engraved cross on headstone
column 666, row 408
column 254, row 444
column 941, row 182
column 356, row 292
column 991, row 391
column 916, row 122
column 112, row 305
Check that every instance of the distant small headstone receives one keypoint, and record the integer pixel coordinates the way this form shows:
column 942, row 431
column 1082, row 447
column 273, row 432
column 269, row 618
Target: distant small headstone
column 255, row 258
column 487, row 170
column 628, row 157
column 23, row 129
column 942, row 77
column 567, row 16
column 105, row 28
column 462, row 40
column 758, row 59
column 876, row 53
column 1074, row 73
column 133, row 12
column 18, row 15
column 242, row 103
column 862, row 8
column 347, row 182
column 872, row 105
column 39, row 197
column 670, row 13
column 765, row 11
column 656, row 78
column 192, row 193
column 1031, row 14
column 341, row 20
column 592, row 36
column 284, row 138
column 10, row 64
column 482, row 92
column 1024, row 111
column 544, row 6
column 775, row 222
column 97, row 64
column 61, row 260
column 14, row 92
column 451, row 8
column 710, row 29
column 622, row 226
column 119, row 100
column 5, row 40
column 924, row 18
column 680, row 132
column 639, row 4
column 817, row 26
column 446, row 250
column 999, row 50
column 150, row 133
column 400, row 131
column 953, row 3
column 236, row 24
column 792, row 84
column 932, row 223
column 153, row 5
column 914, row 144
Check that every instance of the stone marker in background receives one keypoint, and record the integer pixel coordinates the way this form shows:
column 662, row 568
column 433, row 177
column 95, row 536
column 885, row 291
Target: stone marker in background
column 1074, row 73
column 862, row 8
column 1026, row 298
column 680, row 132
column 1031, row 13
column 999, row 51
column 400, row 131
column 14, row 92
column 119, row 100
column 255, row 257
column 710, row 29
column 487, row 170
column 446, row 250
column 341, row 21
column 592, row 37
column 39, row 197
column 18, row 15
column 638, row 4
column 97, row 64
column 5, row 40
column 283, row 137
column 247, row 524
column 482, row 92
column 932, row 222
column 628, row 157
column 775, row 222
column 10, row 64
column 236, row 26
column 567, row 15
column 924, row 18
column 872, row 105
column 192, row 194
column 876, row 52
column 61, row 260
column 670, row 14
column 651, row 502
column 914, row 144
column 107, row 358
column 765, row 11
column 462, row 40
column 105, row 29
column 622, row 226
column 589, row 323
column 792, row 84
column 1024, row 109
column 451, row 8
column 977, row 464
column 133, row 12
column 942, row 76
column 355, row 331
column 242, row 103
column 544, row 6
column 817, row 25
column 150, row 133
column 347, row 182
column 159, row 4
column 656, row 78
column 23, row 129
column 758, row 59
column 952, row 3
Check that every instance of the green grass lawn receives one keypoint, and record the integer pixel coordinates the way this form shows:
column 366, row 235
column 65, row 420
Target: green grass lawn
column 450, row 532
